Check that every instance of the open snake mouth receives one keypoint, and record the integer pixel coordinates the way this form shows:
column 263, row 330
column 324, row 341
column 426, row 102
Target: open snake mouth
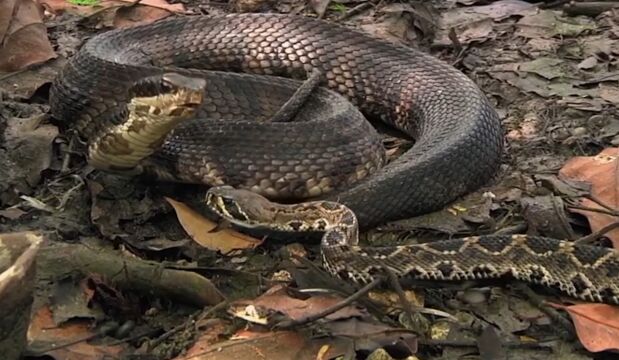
column 169, row 94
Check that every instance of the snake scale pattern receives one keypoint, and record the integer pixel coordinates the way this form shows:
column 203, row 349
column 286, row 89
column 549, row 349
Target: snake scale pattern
column 329, row 152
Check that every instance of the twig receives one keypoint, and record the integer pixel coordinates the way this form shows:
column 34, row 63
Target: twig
column 602, row 211
column 589, row 8
column 104, row 330
column 193, row 318
column 595, row 235
column 66, row 160
column 128, row 273
column 355, row 10
column 395, row 284
column 473, row 343
column 599, row 201
column 553, row 4
column 286, row 324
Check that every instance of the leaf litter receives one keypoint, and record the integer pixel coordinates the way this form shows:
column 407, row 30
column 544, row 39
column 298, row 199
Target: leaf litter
column 23, row 36
column 552, row 77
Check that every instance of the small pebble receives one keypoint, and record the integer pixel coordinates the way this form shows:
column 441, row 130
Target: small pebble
column 615, row 141
column 239, row 260
column 579, row 131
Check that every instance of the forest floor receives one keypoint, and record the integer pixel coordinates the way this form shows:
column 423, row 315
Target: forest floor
column 550, row 69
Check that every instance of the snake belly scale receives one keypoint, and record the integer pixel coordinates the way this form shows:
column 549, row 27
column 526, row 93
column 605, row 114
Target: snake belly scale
column 458, row 134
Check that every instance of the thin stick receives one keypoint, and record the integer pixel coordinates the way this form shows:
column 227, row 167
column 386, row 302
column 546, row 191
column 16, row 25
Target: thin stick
column 193, row 318
column 395, row 283
column 473, row 344
column 355, row 10
column 599, row 201
column 286, row 324
column 602, row 211
column 595, row 235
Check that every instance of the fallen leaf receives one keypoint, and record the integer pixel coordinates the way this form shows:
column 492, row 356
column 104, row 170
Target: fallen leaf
column 602, row 171
column 23, row 36
column 476, row 23
column 26, row 152
column 588, row 63
column 548, row 23
column 198, row 227
column 609, row 93
column 319, row 6
column 118, row 13
column 370, row 335
column 71, row 299
column 546, row 67
column 116, row 215
column 255, row 344
column 215, row 329
column 43, row 333
column 597, row 325
column 277, row 299
column 59, row 6
column 12, row 213
column 24, row 84
column 533, row 83
column 395, row 27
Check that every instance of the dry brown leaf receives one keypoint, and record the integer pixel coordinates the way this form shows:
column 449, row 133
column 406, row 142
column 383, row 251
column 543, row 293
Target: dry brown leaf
column 58, row 6
column 277, row 299
column 43, row 333
column 23, row 36
column 319, row 6
column 125, row 17
column 119, row 13
column 602, row 172
column 198, row 227
column 161, row 4
column 609, row 93
column 252, row 344
column 597, row 325
column 216, row 328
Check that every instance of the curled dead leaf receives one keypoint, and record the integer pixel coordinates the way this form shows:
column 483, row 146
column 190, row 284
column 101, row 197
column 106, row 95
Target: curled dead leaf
column 256, row 344
column 118, row 13
column 43, row 331
column 198, row 227
column 602, row 172
column 597, row 325
column 23, row 36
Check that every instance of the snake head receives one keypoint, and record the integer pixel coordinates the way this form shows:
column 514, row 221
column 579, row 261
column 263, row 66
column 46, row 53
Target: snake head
column 240, row 207
column 170, row 94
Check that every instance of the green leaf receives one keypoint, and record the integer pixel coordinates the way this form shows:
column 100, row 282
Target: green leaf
column 84, row 2
column 337, row 7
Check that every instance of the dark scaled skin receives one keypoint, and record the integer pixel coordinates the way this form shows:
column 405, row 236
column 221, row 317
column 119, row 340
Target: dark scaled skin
column 458, row 134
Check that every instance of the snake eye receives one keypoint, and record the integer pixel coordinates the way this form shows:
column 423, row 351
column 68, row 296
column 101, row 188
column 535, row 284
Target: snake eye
column 233, row 208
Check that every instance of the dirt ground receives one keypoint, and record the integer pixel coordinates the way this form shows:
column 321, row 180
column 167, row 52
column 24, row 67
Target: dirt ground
column 550, row 69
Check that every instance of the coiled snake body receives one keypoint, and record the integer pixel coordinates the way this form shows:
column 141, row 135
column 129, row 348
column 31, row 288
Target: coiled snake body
column 329, row 151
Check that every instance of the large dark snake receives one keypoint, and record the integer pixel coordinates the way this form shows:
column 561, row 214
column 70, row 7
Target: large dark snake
column 458, row 136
